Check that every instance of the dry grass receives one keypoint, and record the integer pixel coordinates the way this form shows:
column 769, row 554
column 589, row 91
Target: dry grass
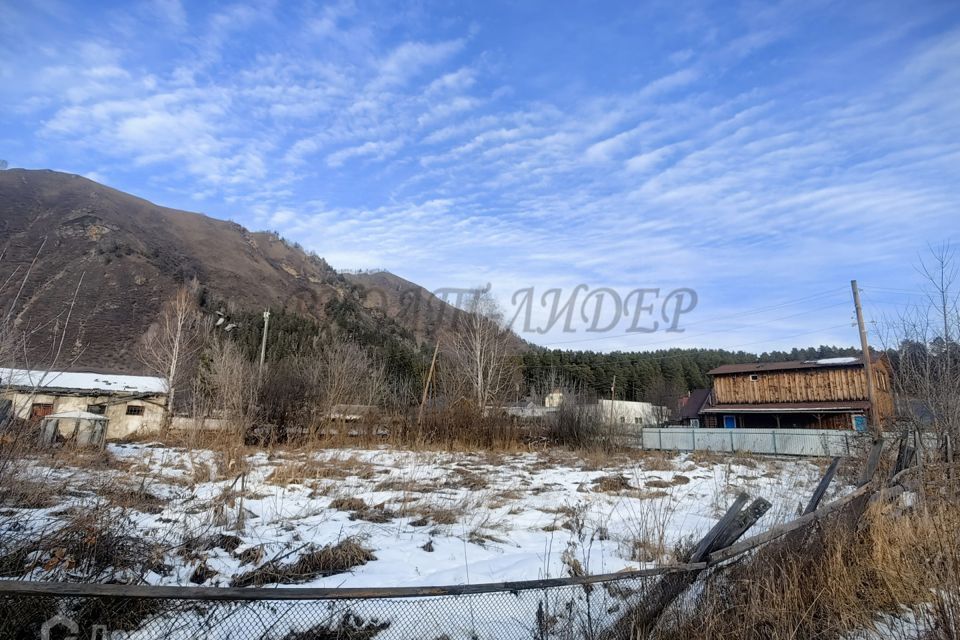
column 834, row 583
column 612, row 484
column 303, row 471
column 328, row 561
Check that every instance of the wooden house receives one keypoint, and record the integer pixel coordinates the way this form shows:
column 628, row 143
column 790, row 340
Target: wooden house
column 691, row 408
column 821, row 394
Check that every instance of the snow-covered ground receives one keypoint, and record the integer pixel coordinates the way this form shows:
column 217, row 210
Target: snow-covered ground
column 429, row 518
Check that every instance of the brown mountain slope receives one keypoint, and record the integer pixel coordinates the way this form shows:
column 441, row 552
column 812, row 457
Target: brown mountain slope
column 127, row 256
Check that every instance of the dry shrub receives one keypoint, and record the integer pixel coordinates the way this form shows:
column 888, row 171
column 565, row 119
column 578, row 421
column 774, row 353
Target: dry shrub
column 612, row 484
column 349, row 627
column 30, row 494
column 137, row 498
column 360, row 510
column 657, row 461
column 434, row 514
column 315, row 563
column 91, row 547
column 835, row 582
column 348, row 504
column 299, row 472
column 463, row 428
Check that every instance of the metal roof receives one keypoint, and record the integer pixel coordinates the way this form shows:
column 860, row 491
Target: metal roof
column 694, row 404
column 107, row 383
column 753, row 367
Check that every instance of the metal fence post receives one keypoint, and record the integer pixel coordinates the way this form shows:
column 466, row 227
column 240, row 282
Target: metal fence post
column 693, row 432
column 774, row 434
column 660, row 435
column 732, row 448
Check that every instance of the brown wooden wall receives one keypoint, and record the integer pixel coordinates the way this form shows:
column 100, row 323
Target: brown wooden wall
column 833, row 384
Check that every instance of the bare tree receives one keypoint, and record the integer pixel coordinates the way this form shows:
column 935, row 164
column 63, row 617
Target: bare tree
column 231, row 385
column 923, row 339
column 480, row 353
column 173, row 342
column 344, row 373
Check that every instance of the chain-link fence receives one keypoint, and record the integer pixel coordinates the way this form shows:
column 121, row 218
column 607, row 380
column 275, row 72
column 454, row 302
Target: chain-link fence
column 591, row 608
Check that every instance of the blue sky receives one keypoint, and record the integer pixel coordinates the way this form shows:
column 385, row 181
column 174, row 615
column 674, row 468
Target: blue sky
column 760, row 153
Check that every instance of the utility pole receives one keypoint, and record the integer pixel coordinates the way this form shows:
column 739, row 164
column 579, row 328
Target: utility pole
column 426, row 386
column 613, row 396
column 867, row 363
column 263, row 344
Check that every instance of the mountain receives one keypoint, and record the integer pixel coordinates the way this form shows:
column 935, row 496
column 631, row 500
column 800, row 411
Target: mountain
column 62, row 236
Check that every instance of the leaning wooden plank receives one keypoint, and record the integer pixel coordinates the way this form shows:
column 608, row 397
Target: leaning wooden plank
column 873, row 461
column 744, row 520
column 822, row 487
column 644, row 617
column 781, row 530
column 708, row 541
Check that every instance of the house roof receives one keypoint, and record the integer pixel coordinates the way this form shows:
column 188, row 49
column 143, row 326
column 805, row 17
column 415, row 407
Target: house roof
column 694, row 404
column 107, row 383
column 753, row 367
column 791, row 407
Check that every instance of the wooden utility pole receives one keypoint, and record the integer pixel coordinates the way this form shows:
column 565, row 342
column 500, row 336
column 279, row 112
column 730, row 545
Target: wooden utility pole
column 426, row 386
column 613, row 397
column 867, row 362
column 263, row 344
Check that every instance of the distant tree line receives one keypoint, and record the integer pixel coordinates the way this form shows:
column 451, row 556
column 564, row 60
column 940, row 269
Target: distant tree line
column 652, row 376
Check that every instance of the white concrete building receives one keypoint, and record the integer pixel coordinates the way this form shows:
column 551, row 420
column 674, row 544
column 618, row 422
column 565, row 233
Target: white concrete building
column 641, row 414
column 131, row 404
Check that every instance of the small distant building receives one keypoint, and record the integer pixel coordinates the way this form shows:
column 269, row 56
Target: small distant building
column 527, row 409
column 642, row 414
column 830, row 393
column 352, row 412
column 130, row 404
column 554, row 399
column 691, row 408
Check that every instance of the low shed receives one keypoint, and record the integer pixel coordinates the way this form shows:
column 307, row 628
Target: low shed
column 131, row 404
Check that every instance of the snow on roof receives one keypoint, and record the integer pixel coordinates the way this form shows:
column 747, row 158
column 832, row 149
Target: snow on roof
column 837, row 360
column 69, row 380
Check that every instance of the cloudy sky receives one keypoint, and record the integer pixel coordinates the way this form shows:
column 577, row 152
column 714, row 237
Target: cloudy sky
column 762, row 154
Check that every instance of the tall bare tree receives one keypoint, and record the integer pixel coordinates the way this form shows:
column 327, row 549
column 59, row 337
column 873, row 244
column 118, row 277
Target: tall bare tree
column 926, row 352
column 342, row 373
column 480, row 353
column 173, row 342
column 231, row 385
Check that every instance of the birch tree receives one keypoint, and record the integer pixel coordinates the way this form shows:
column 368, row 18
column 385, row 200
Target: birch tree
column 172, row 343
column 480, row 352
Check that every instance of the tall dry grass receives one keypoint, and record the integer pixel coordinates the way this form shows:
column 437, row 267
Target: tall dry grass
column 892, row 573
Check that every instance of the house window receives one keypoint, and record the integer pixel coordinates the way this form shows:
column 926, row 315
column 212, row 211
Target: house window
column 754, row 377
column 98, row 409
column 711, row 422
column 40, row 410
column 134, row 409
column 637, row 421
column 695, row 423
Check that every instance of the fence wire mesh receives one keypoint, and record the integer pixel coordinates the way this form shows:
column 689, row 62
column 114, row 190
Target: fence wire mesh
column 598, row 611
